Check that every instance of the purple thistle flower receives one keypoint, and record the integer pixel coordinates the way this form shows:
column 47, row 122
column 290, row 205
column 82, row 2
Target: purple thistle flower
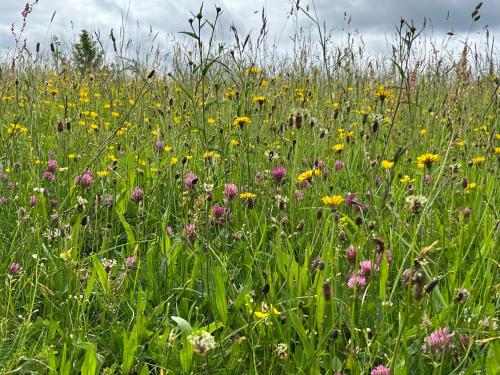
column 278, row 173
column 137, row 195
column 159, row 146
column 427, row 178
column 438, row 341
column 190, row 232
column 381, row 370
column 190, row 180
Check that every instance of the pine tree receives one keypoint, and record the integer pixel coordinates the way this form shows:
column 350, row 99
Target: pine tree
column 85, row 53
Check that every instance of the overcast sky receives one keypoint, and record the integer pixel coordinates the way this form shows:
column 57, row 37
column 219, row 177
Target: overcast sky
column 374, row 20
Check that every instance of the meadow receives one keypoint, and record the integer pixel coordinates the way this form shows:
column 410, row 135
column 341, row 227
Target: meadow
column 316, row 216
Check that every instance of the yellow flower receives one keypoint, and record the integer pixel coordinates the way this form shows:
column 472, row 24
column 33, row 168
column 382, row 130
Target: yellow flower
column 426, row 160
column 423, row 131
column 265, row 313
column 167, row 149
column 248, row 195
column 382, row 93
column 259, row 99
column 252, row 70
column 242, row 121
column 173, row 160
column 211, row 155
column 338, row 147
column 406, row 179
column 66, row 255
column 496, row 150
column 234, row 142
column 336, row 105
column 17, row 128
column 471, row 185
column 211, row 121
column 102, row 173
column 305, row 176
column 478, row 160
column 387, row 164
column 459, row 143
column 333, row 201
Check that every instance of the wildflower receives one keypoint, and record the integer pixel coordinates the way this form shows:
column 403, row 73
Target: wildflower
column 242, row 121
column 339, row 165
column 169, row 231
column 282, row 351
column 218, row 213
column 266, row 311
column 131, row 261
column 33, row 200
column 259, row 99
column 49, row 176
column 381, row 370
column 406, row 276
column 52, row 166
column 406, row 179
column 415, row 203
column 382, row 93
column 338, row 147
column 426, row 160
column 249, row 198
column 470, row 186
column 190, row 180
column 159, row 146
column 351, row 254
column 351, row 201
column 108, row 264
column 356, row 281
column 478, row 160
column 230, row 191
column 333, row 201
column 136, row 195
column 386, row 164
column 305, row 176
column 211, row 155
column 317, row 263
column 299, row 195
column 84, row 180
column 278, row 173
column 15, row 268
column 202, row 342
column 367, row 268
column 438, row 341
column 190, row 232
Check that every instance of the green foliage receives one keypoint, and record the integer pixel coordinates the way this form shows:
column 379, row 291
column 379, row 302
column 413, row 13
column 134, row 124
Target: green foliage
column 86, row 55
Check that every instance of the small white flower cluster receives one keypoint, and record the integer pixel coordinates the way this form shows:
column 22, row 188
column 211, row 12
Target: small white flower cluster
column 202, row 342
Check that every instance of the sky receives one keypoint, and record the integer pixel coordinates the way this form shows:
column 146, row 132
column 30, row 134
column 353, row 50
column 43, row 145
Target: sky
column 375, row 21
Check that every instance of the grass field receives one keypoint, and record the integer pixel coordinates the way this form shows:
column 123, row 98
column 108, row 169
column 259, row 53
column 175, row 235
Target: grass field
column 232, row 217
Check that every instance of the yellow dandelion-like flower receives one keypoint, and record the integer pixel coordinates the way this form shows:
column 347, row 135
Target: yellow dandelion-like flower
column 174, row 160
column 305, row 176
column 211, row 121
column 248, row 195
column 386, row 164
column 338, row 147
column 333, row 201
column 211, row 155
column 167, row 149
column 234, row 142
column 259, row 99
column 242, row 121
column 496, row 150
column 382, row 93
column 426, row 160
column 478, row 160
column 406, row 179
column 102, row 173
